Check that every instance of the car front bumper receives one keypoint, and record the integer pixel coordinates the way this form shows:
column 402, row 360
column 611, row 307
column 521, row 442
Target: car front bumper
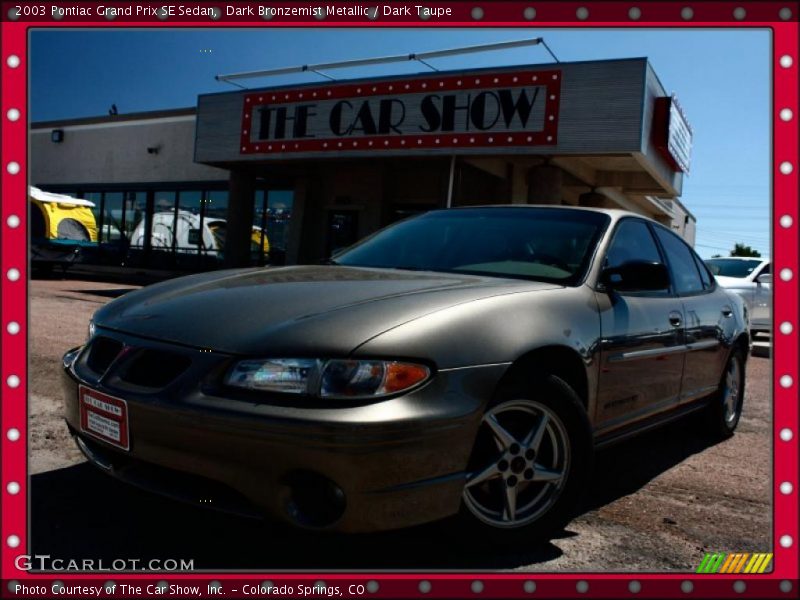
column 391, row 464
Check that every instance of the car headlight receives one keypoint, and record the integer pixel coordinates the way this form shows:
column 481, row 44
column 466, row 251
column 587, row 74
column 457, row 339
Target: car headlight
column 336, row 378
column 290, row 376
column 365, row 378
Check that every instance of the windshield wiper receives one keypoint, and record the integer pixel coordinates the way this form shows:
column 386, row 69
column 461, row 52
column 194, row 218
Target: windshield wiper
column 329, row 261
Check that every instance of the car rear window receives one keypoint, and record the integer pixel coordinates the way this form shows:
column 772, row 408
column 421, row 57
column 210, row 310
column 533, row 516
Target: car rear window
column 732, row 267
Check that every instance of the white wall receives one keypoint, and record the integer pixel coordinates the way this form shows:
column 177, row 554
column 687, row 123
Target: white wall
column 682, row 222
column 116, row 152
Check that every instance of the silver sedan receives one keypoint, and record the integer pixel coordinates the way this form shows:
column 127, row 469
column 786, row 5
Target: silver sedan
column 752, row 280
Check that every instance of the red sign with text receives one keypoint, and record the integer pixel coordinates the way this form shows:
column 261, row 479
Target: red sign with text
column 454, row 110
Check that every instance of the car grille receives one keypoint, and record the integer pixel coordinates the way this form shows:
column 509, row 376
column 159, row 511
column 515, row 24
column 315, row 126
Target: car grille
column 102, row 352
column 153, row 368
column 120, row 363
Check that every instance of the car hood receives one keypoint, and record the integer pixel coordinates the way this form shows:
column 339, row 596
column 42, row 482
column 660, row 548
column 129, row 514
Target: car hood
column 293, row 311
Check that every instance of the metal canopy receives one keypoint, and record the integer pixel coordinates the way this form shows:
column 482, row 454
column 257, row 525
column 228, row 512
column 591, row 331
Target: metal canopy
column 361, row 62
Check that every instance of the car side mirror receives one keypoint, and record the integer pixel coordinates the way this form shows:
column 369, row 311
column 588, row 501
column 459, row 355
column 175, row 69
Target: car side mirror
column 765, row 278
column 636, row 276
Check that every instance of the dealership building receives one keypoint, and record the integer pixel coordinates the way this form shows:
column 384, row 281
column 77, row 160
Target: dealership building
column 318, row 166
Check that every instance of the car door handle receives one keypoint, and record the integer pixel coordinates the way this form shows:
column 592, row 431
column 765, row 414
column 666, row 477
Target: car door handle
column 675, row 319
column 727, row 311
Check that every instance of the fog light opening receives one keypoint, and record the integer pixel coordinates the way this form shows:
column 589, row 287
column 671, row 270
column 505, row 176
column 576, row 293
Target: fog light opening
column 314, row 500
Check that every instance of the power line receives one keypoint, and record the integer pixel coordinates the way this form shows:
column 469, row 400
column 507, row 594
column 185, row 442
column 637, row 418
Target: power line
column 728, row 231
column 732, row 239
column 726, row 200
column 725, row 234
column 717, row 209
column 713, row 247
column 731, row 230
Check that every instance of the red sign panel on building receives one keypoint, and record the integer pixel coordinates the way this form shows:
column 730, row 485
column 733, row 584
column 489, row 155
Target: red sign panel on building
column 672, row 134
column 464, row 110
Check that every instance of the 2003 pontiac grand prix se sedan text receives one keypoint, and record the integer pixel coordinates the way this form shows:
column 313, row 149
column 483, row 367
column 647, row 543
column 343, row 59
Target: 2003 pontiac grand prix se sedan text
column 463, row 362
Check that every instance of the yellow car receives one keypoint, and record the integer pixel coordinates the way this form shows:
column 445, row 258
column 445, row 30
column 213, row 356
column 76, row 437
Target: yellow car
column 256, row 242
column 59, row 217
column 61, row 227
column 218, row 228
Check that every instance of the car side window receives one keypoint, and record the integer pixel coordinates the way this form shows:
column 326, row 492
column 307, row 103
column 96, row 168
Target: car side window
column 765, row 270
column 704, row 274
column 632, row 241
column 685, row 274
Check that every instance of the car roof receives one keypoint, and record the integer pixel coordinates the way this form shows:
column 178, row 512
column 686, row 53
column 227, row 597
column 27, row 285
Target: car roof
column 43, row 196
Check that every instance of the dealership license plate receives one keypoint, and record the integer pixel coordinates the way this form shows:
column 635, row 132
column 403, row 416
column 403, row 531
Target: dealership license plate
column 104, row 417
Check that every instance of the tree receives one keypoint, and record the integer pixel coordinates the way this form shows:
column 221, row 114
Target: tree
column 743, row 250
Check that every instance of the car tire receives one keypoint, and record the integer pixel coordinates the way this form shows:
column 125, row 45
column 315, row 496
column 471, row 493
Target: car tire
column 542, row 502
column 725, row 409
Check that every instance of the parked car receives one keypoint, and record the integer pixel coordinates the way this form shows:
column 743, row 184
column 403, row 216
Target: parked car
column 182, row 230
column 419, row 375
column 752, row 280
column 62, row 228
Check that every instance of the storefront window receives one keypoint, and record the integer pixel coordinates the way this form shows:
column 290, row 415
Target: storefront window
column 135, row 209
column 187, row 225
column 187, row 228
column 162, row 237
column 217, row 204
column 190, row 201
column 272, row 212
column 215, row 221
column 279, row 211
column 112, row 218
column 279, row 217
column 259, row 240
column 97, row 199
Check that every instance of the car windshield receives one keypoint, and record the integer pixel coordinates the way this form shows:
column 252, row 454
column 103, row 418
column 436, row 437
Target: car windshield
column 729, row 267
column 548, row 244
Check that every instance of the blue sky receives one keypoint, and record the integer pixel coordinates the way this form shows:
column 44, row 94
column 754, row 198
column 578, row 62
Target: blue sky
column 722, row 78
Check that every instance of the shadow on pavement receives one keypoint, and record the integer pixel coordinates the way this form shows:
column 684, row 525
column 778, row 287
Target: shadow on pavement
column 627, row 467
column 78, row 512
column 110, row 293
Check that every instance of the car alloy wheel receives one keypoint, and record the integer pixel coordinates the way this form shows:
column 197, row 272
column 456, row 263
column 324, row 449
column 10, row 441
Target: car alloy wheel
column 523, row 460
column 725, row 409
column 730, row 392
